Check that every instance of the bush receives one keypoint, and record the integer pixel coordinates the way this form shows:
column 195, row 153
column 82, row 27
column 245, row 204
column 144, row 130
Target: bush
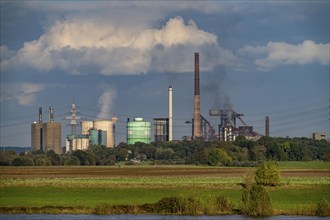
column 322, row 208
column 17, row 162
column 169, row 205
column 268, row 174
column 256, row 201
column 223, row 204
column 178, row 205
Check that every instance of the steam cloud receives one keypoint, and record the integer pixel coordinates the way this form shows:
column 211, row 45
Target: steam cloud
column 106, row 101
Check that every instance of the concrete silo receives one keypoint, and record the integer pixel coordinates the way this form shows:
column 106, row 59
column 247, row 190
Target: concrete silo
column 106, row 125
column 36, row 136
column 51, row 134
column 138, row 131
column 86, row 126
column 36, row 133
column 51, row 137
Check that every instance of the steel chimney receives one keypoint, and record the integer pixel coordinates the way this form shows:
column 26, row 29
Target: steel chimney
column 51, row 114
column 40, row 114
column 267, row 126
column 170, row 114
column 197, row 111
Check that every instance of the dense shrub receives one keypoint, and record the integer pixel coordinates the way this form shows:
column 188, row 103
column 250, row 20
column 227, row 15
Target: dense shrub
column 169, row 205
column 71, row 160
column 42, row 161
column 6, row 157
column 22, row 161
column 179, row 205
column 268, row 174
column 223, row 204
column 322, row 208
column 256, row 201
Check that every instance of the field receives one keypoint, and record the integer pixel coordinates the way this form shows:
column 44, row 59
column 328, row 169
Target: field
column 85, row 188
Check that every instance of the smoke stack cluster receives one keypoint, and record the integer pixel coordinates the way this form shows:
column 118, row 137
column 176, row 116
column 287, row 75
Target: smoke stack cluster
column 197, row 110
column 170, row 114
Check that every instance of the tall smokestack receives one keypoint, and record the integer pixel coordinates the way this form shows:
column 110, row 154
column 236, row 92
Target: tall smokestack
column 170, row 114
column 197, row 109
column 267, row 126
column 51, row 114
column 40, row 115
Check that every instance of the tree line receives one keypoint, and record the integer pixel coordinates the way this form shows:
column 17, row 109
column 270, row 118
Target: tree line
column 241, row 152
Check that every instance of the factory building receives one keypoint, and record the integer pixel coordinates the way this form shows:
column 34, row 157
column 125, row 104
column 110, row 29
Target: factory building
column 98, row 137
column 161, row 129
column 83, row 141
column 138, row 130
column 107, row 126
column 99, row 132
column 319, row 136
column 46, row 136
column 76, row 142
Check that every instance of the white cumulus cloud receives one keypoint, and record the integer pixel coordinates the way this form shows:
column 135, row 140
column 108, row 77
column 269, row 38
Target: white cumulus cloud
column 82, row 46
column 280, row 53
column 23, row 93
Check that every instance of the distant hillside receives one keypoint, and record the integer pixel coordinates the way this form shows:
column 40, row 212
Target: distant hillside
column 17, row 149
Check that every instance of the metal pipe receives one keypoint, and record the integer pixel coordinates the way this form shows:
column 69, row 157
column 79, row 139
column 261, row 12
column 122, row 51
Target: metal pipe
column 170, row 114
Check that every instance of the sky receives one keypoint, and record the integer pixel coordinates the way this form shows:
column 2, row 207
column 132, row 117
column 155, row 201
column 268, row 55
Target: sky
column 118, row 58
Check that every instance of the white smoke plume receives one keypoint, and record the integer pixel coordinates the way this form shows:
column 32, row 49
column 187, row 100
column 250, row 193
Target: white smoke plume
column 106, row 101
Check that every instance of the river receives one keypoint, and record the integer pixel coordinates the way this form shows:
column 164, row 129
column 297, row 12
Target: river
column 149, row 217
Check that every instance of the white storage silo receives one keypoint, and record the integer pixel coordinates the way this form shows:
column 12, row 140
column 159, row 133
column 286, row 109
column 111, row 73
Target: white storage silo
column 105, row 125
column 86, row 126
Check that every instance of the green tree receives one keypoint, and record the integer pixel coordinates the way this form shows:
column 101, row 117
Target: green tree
column 70, row 160
column 22, row 161
column 42, row 160
column 268, row 174
column 6, row 157
column 54, row 158
column 218, row 156
column 85, row 158
column 258, row 153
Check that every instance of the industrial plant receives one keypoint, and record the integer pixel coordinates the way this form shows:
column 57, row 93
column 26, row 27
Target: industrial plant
column 47, row 136
column 138, row 130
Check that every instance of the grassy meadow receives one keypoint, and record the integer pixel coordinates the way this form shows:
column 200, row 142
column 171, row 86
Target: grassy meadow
column 82, row 189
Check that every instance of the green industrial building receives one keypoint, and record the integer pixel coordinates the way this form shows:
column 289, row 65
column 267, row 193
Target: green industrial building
column 138, row 130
